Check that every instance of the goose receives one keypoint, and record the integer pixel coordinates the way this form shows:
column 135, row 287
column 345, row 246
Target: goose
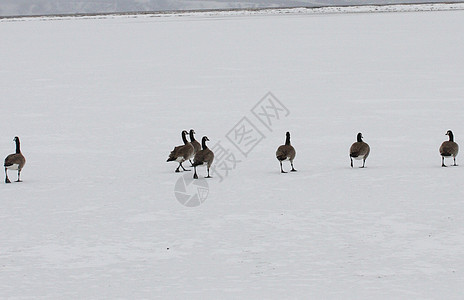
column 449, row 149
column 286, row 152
column 203, row 157
column 15, row 161
column 196, row 145
column 359, row 150
column 182, row 153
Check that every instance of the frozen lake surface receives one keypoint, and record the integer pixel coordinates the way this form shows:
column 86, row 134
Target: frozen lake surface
column 100, row 102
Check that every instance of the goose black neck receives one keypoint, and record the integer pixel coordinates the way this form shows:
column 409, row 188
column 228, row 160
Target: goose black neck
column 18, row 147
column 184, row 139
column 203, row 144
column 359, row 138
column 451, row 136
column 192, row 137
column 287, row 140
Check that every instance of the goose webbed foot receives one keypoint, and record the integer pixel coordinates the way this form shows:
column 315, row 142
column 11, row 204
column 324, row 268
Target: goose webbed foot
column 7, row 180
column 195, row 176
column 443, row 165
column 293, row 169
column 18, row 180
column 208, row 176
column 282, row 171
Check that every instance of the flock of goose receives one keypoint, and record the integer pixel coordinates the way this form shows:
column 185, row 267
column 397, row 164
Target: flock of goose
column 202, row 155
column 359, row 150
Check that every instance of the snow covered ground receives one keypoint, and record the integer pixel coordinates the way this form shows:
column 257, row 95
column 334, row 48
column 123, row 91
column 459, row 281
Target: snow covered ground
column 100, row 103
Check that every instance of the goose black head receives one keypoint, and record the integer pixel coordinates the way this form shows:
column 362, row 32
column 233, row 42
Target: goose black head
column 184, row 138
column 191, row 133
column 359, row 137
column 203, row 142
column 450, row 134
column 16, row 140
column 287, row 139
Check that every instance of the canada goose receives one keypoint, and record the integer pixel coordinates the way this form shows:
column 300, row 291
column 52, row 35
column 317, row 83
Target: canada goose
column 286, row 152
column 196, row 145
column 449, row 149
column 359, row 150
column 15, row 161
column 182, row 153
column 203, row 157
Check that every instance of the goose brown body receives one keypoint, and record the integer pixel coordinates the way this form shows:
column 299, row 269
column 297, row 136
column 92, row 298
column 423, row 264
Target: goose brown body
column 359, row 150
column 286, row 152
column 449, row 149
column 203, row 157
column 15, row 161
column 182, row 153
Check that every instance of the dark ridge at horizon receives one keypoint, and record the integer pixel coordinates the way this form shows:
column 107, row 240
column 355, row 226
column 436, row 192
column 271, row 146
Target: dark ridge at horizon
column 24, row 8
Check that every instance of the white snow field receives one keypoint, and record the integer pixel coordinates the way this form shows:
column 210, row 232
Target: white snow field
column 99, row 103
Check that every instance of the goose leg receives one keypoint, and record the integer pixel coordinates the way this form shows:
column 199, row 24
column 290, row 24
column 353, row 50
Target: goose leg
column 19, row 174
column 191, row 163
column 293, row 169
column 454, row 158
column 177, row 170
column 443, row 161
column 183, row 167
column 208, row 173
column 364, row 161
column 195, row 176
column 7, row 180
column 351, row 161
column 281, row 170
